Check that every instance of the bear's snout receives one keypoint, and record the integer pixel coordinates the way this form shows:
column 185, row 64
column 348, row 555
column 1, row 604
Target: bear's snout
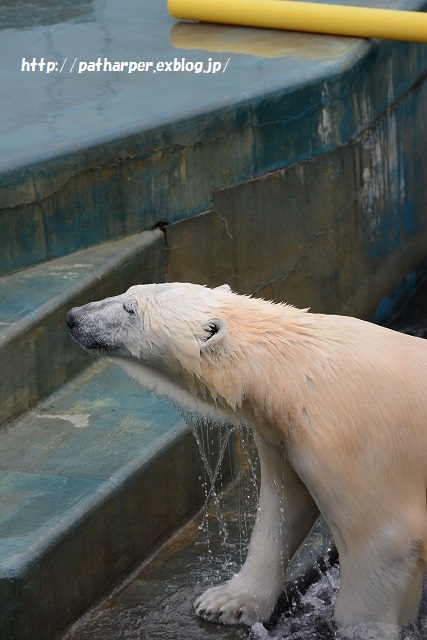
column 71, row 317
column 95, row 325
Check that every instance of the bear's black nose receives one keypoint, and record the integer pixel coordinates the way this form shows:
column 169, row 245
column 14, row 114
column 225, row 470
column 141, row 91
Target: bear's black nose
column 70, row 318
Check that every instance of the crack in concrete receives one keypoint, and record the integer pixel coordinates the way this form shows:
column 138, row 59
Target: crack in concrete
column 225, row 223
column 285, row 276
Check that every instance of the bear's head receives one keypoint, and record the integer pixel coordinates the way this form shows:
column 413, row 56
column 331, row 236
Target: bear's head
column 161, row 334
column 152, row 323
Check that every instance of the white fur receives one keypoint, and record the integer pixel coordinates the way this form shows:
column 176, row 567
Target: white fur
column 339, row 411
column 168, row 390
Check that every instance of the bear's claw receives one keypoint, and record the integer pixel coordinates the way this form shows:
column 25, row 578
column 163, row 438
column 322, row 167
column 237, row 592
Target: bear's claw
column 228, row 605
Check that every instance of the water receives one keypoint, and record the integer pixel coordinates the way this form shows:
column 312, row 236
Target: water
column 309, row 614
column 311, row 618
column 217, row 453
column 212, row 439
column 156, row 601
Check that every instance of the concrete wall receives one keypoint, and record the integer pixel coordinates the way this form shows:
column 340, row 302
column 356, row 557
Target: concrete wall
column 335, row 232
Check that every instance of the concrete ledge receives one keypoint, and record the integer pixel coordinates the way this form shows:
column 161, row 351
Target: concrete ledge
column 126, row 168
column 101, row 483
column 33, row 306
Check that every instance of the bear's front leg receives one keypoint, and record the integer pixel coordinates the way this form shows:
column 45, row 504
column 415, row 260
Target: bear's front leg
column 286, row 513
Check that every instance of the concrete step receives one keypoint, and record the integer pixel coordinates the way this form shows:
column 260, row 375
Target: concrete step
column 156, row 601
column 90, row 481
column 33, row 304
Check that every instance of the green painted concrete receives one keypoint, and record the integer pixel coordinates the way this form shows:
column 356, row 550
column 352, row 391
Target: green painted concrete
column 299, row 173
column 114, row 153
column 33, row 304
column 89, row 482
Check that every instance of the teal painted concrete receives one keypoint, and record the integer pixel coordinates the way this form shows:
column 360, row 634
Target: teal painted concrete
column 89, row 157
column 390, row 304
column 88, row 483
column 92, row 480
column 156, row 603
column 33, row 304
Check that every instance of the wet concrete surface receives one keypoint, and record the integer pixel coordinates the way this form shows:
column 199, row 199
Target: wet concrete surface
column 74, row 104
column 61, row 98
column 156, row 601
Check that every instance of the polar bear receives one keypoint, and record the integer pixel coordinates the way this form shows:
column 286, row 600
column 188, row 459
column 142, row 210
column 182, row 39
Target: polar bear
column 338, row 407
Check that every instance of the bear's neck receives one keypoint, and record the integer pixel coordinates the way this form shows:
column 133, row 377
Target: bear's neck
column 197, row 401
column 267, row 376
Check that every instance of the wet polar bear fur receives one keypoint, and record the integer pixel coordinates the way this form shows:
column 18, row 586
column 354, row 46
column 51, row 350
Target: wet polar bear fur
column 338, row 407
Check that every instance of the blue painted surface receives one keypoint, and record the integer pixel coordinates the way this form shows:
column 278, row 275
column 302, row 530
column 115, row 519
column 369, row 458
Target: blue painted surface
column 68, row 448
column 70, row 108
column 33, row 304
column 26, row 295
column 90, row 157
column 80, row 496
column 34, row 510
column 389, row 305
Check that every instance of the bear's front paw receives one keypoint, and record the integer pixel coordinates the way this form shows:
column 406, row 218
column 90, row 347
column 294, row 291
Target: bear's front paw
column 232, row 604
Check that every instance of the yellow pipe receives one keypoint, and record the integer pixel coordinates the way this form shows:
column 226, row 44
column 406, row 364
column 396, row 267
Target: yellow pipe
column 306, row 16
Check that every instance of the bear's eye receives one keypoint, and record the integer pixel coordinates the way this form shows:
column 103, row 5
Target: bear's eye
column 129, row 307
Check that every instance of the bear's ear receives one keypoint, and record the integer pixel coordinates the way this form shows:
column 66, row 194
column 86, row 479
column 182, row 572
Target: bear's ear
column 215, row 329
column 224, row 287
